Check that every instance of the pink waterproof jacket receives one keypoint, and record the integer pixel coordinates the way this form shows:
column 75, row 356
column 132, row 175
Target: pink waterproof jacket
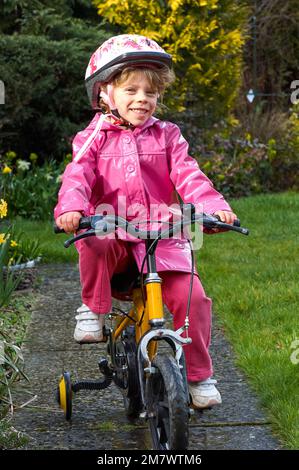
column 145, row 166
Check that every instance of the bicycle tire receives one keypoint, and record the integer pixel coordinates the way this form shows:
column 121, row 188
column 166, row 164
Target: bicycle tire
column 167, row 405
column 127, row 379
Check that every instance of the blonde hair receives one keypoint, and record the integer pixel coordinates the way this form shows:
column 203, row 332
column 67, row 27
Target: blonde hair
column 159, row 80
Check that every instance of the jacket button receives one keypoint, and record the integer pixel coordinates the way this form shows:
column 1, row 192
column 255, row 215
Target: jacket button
column 130, row 168
column 127, row 139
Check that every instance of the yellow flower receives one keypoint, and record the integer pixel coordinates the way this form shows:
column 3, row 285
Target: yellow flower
column 3, row 208
column 6, row 169
column 13, row 243
column 2, row 238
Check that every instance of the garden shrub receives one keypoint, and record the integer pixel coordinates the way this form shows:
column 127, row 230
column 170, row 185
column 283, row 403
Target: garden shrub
column 45, row 98
column 45, row 47
column 242, row 165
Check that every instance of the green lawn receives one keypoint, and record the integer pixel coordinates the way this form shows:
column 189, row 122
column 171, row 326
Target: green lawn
column 254, row 283
column 51, row 244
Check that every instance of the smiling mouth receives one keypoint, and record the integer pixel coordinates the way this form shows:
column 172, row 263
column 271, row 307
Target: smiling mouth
column 138, row 110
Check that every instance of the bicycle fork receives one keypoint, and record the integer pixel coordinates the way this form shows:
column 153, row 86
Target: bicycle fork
column 147, row 343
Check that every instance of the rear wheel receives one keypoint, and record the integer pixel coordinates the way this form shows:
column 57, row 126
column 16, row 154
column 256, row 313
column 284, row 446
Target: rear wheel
column 167, row 405
column 127, row 373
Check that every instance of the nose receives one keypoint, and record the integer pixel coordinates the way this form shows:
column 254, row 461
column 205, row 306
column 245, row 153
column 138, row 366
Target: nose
column 141, row 96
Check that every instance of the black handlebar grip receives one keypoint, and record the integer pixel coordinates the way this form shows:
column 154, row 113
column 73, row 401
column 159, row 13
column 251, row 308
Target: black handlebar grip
column 57, row 229
column 84, row 222
column 236, row 223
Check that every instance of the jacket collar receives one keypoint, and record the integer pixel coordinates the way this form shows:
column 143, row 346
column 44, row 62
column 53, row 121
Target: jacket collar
column 107, row 125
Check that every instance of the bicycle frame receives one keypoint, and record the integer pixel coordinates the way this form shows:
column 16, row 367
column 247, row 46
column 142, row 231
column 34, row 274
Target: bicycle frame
column 146, row 313
column 148, row 317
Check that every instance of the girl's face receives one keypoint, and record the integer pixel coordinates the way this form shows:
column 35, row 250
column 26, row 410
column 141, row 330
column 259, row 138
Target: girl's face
column 135, row 99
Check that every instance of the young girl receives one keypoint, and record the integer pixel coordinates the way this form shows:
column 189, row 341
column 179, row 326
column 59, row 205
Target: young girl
column 127, row 156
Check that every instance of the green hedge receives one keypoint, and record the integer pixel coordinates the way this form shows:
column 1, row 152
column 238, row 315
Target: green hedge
column 45, row 96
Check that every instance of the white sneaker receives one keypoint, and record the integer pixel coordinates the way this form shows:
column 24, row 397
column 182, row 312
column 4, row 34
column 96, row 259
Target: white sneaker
column 89, row 328
column 204, row 394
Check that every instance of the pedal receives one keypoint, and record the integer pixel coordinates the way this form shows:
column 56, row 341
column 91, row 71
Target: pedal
column 103, row 365
column 106, row 333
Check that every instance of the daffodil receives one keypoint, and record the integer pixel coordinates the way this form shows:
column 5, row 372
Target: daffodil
column 6, row 169
column 3, row 208
column 2, row 238
column 13, row 243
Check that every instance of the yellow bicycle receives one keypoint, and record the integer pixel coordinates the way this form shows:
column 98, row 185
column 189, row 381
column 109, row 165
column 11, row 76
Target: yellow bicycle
column 151, row 376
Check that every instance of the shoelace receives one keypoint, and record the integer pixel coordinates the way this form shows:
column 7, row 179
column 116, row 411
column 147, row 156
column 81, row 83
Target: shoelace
column 207, row 382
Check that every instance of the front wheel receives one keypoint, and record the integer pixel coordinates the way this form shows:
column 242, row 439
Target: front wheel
column 167, row 405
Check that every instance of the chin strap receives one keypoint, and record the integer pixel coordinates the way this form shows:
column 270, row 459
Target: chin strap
column 119, row 121
column 107, row 97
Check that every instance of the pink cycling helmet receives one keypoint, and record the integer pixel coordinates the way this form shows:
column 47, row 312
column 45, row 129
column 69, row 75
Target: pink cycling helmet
column 116, row 54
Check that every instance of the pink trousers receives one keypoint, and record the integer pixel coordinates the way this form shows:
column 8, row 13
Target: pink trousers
column 100, row 259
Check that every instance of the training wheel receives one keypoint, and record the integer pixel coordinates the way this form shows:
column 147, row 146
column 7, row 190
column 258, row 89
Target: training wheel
column 64, row 395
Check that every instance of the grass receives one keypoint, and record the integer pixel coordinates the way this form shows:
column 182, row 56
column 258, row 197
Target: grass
column 254, row 283
column 51, row 244
column 10, row 438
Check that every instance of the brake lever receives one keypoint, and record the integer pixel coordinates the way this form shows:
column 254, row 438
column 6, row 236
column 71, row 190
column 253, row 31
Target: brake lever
column 70, row 241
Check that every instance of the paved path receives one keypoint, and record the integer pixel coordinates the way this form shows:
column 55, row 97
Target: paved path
column 99, row 420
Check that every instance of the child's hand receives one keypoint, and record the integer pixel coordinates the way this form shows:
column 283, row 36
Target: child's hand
column 226, row 217
column 69, row 221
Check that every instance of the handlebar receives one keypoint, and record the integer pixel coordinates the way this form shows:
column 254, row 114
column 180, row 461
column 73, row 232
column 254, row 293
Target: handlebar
column 103, row 225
